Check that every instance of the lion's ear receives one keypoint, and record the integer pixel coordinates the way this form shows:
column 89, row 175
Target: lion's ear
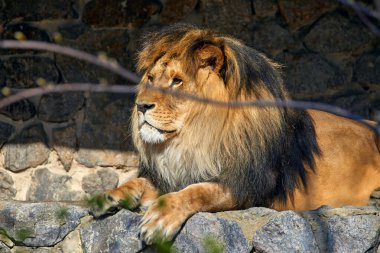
column 210, row 55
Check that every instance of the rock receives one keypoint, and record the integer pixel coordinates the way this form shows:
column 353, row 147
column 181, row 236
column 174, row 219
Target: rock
column 101, row 181
column 337, row 34
column 205, row 228
column 226, row 16
column 112, row 141
column 130, row 14
column 285, row 232
column 28, row 149
column 64, row 142
column 36, row 10
column 2, row 76
column 48, row 186
column 117, row 233
column 366, row 69
column 60, row 227
column 113, row 43
column 298, row 14
column 72, row 31
column 347, row 229
column 356, row 101
column 271, row 43
column 39, row 224
column 6, row 131
column 30, row 32
column 4, row 248
column 21, row 110
column 23, row 71
column 309, row 74
column 60, row 107
column 353, row 234
column 265, row 8
column 7, row 191
column 175, row 11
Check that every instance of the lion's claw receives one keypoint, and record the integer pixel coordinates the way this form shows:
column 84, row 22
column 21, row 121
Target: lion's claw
column 162, row 222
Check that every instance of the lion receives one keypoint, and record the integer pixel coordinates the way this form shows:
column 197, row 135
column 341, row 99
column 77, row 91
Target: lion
column 199, row 157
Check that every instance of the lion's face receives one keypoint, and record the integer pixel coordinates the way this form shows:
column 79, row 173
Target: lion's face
column 161, row 117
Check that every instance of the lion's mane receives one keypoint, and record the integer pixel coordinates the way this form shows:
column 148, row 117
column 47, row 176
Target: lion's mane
column 262, row 154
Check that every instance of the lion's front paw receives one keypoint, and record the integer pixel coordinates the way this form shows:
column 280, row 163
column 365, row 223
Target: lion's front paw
column 108, row 202
column 163, row 219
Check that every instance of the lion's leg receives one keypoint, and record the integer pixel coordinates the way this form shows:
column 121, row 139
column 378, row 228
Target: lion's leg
column 129, row 195
column 166, row 215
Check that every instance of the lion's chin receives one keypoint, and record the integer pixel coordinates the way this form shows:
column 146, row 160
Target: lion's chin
column 150, row 134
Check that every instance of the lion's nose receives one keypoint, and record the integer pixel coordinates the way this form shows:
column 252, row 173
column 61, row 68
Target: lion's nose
column 143, row 107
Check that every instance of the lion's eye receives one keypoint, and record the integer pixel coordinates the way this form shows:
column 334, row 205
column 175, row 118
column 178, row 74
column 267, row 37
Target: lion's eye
column 176, row 81
column 150, row 78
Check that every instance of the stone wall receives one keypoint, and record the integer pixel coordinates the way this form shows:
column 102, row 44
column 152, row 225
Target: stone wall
column 61, row 147
column 76, row 143
column 63, row 228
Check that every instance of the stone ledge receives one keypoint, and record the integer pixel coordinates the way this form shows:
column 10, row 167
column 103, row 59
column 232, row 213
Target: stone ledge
column 60, row 227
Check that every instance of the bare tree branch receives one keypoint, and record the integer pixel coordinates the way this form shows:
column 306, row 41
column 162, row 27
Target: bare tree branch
column 88, row 87
column 363, row 11
column 116, row 68
column 44, row 46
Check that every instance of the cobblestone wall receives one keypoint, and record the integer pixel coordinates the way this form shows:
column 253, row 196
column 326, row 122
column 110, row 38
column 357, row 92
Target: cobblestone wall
column 61, row 146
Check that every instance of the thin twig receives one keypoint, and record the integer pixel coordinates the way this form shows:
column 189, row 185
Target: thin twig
column 362, row 11
column 88, row 87
column 44, row 46
column 360, row 7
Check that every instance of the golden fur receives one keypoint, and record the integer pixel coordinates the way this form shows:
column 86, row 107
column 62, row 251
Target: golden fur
column 211, row 158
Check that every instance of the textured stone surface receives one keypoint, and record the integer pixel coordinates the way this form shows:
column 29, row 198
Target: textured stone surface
column 7, row 190
column 27, row 149
column 354, row 234
column 356, row 101
column 35, row 10
column 221, row 15
column 4, row 248
column 48, row 186
column 101, row 181
column 22, row 72
column 349, row 229
column 64, row 142
column 29, row 31
column 72, row 31
column 175, row 11
column 113, row 43
column 112, row 112
column 203, row 226
column 121, row 232
column 367, row 70
column 131, row 14
column 285, row 232
column 265, row 8
column 298, row 13
column 38, row 224
column 6, row 131
column 271, row 43
column 337, row 34
column 2, row 76
column 60, row 107
column 21, row 110
column 307, row 74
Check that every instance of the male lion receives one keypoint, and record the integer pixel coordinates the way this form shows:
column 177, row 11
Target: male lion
column 203, row 157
